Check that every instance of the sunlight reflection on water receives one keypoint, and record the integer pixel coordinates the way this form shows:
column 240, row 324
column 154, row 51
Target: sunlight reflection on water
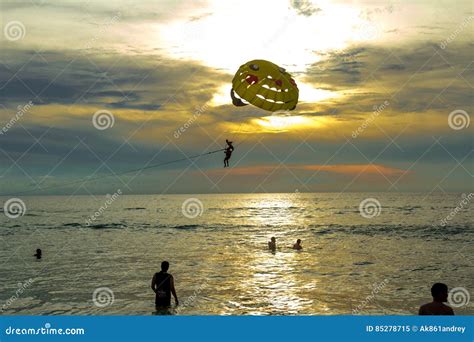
column 221, row 262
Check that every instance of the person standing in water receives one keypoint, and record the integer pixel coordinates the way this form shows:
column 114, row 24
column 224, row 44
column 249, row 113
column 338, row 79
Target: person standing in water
column 38, row 254
column 163, row 286
column 439, row 291
column 228, row 152
column 272, row 244
column 297, row 245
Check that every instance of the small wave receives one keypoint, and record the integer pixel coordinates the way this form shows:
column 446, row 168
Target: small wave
column 324, row 232
column 261, row 208
column 363, row 263
column 108, row 225
column 94, row 226
column 187, row 226
column 399, row 230
column 73, row 224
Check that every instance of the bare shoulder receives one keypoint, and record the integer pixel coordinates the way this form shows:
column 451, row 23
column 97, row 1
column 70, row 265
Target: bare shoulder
column 435, row 309
column 448, row 310
column 423, row 309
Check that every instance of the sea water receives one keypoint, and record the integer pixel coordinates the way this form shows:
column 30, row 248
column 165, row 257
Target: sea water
column 364, row 253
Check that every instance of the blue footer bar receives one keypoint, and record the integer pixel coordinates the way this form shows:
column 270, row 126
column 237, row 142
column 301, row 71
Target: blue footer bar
column 237, row 328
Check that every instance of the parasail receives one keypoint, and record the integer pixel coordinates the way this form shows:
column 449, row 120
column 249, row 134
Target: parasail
column 264, row 85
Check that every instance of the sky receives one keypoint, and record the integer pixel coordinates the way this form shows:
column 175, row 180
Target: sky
column 97, row 88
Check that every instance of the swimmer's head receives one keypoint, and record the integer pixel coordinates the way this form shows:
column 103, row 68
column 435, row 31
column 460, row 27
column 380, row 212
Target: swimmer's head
column 273, row 239
column 298, row 241
column 165, row 265
column 439, row 291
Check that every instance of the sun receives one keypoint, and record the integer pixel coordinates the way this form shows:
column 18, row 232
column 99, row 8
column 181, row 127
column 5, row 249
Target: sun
column 225, row 34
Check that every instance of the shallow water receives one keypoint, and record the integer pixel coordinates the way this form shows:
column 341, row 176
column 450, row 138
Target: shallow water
column 380, row 265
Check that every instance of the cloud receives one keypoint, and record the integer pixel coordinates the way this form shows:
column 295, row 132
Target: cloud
column 343, row 169
column 129, row 71
column 305, row 7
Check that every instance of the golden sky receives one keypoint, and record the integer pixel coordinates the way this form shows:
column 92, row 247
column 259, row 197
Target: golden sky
column 385, row 93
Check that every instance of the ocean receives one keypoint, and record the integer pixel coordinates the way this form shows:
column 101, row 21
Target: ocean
column 364, row 253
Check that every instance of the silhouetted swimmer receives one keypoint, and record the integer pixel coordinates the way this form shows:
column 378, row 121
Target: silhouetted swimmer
column 38, row 254
column 163, row 286
column 297, row 245
column 272, row 244
column 439, row 291
column 228, row 152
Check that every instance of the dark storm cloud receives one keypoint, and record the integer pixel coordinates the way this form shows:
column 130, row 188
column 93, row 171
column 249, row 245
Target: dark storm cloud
column 415, row 78
column 92, row 11
column 75, row 151
column 137, row 82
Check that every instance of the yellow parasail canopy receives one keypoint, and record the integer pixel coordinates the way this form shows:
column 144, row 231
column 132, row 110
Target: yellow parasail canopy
column 265, row 85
